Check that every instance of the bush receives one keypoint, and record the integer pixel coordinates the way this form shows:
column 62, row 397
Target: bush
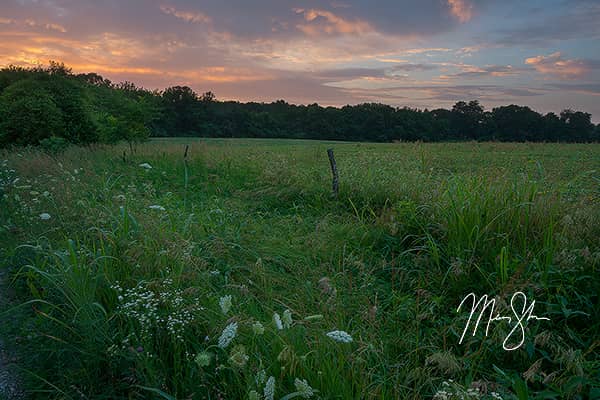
column 54, row 144
column 30, row 114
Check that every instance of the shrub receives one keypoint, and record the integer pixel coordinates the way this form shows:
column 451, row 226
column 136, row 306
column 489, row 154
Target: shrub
column 54, row 144
column 30, row 114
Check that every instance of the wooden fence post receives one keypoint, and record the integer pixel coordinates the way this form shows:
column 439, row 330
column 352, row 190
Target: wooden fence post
column 334, row 172
column 185, row 176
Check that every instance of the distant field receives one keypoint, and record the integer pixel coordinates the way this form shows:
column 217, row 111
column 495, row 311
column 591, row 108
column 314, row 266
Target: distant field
column 120, row 271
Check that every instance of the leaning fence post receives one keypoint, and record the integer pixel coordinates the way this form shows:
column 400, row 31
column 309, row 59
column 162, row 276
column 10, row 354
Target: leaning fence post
column 334, row 172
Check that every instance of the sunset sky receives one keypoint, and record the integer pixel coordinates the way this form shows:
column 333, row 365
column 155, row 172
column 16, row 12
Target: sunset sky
column 427, row 53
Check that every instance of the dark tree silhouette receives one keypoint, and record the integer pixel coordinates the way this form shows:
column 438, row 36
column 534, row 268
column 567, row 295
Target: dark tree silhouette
column 38, row 103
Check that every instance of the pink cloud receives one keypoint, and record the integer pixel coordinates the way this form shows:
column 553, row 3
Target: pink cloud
column 558, row 67
column 188, row 16
column 325, row 22
column 461, row 9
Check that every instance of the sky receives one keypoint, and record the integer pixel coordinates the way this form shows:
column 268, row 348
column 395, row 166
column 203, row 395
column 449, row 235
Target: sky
column 426, row 54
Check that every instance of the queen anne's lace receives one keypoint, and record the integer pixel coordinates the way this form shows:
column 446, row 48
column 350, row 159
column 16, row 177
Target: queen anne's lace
column 340, row 336
column 269, row 390
column 227, row 335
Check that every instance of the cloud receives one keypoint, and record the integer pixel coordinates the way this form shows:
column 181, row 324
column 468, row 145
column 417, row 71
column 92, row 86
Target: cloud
column 350, row 73
column 472, row 71
column 329, row 51
column 461, row 9
column 319, row 22
column 31, row 23
column 188, row 16
column 409, row 67
column 564, row 21
column 558, row 67
column 583, row 88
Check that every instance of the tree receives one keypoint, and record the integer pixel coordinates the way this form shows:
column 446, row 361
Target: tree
column 29, row 114
column 182, row 110
column 579, row 125
column 468, row 119
column 516, row 123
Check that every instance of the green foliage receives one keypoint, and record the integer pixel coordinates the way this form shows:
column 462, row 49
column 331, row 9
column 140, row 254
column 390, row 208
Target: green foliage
column 39, row 103
column 94, row 109
column 114, row 299
column 54, row 145
column 29, row 114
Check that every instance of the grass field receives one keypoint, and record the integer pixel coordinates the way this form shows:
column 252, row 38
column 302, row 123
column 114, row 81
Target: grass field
column 221, row 276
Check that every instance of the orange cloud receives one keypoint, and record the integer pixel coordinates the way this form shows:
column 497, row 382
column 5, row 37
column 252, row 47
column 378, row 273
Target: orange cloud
column 325, row 22
column 194, row 17
column 33, row 24
column 556, row 66
column 461, row 9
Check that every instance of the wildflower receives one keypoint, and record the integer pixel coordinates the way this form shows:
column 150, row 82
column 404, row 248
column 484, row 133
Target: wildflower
column 156, row 207
column 258, row 328
column 146, row 165
column 44, row 216
column 277, row 321
column 238, row 356
column 269, row 390
column 225, row 304
column 261, row 377
column 228, row 335
column 303, row 388
column 287, row 318
column 253, row 395
column 203, row 359
column 340, row 336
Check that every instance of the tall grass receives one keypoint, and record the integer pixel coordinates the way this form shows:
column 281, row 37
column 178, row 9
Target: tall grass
column 117, row 300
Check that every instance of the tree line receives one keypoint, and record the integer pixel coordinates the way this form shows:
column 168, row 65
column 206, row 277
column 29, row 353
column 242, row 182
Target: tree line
column 52, row 105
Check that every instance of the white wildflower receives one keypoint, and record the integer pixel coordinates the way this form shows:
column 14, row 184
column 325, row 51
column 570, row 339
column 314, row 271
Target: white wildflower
column 269, row 390
column 340, row 336
column 303, row 388
column 277, row 321
column 156, row 207
column 258, row 328
column 238, row 357
column 44, row 216
column 228, row 335
column 287, row 318
column 203, row 359
column 253, row 395
column 225, row 304
column 261, row 377
column 146, row 165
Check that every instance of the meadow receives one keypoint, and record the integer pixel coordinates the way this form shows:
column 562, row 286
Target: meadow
column 234, row 273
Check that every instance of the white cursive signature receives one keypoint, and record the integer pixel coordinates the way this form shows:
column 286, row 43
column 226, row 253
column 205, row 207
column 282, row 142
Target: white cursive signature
column 526, row 313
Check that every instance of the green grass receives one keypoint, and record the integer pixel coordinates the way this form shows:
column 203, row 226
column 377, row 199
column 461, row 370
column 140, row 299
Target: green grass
column 113, row 299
